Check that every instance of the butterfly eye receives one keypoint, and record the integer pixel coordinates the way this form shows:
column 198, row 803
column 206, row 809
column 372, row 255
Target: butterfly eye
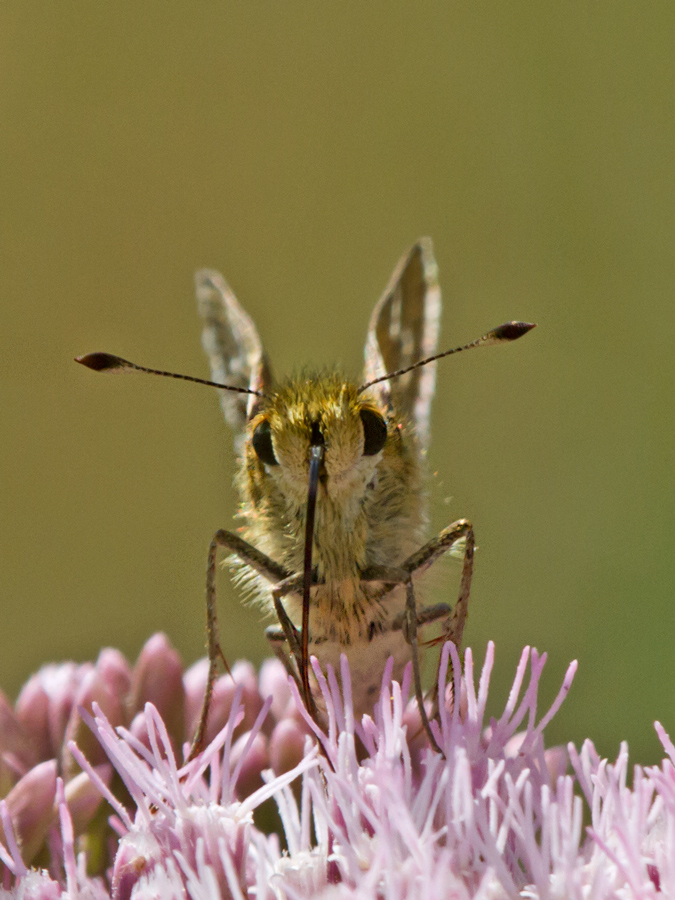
column 262, row 443
column 374, row 432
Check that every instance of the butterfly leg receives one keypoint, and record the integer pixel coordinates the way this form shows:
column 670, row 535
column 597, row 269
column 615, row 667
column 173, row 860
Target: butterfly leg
column 408, row 621
column 277, row 638
column 411, row 619
column 432, row 551
column 291, row 585
column 425, row 557
column 266, row 567
column 410, row 632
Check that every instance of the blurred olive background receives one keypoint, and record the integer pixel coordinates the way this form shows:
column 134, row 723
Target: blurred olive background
column 300, row 148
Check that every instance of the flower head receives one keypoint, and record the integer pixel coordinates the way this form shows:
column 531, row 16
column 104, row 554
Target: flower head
column 368, row 810
column 49, row 718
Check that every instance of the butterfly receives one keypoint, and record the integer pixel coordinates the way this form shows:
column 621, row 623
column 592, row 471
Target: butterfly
column 332, row 484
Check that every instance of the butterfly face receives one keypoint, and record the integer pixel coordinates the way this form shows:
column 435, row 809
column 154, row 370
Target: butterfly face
column 310, row 412
column 368, row 477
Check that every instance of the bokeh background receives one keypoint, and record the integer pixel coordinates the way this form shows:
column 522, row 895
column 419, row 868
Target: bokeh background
column 300, row 148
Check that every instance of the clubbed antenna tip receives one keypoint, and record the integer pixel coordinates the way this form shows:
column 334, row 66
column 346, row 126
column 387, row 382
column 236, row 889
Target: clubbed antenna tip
column 511, row 331
column 102, row 362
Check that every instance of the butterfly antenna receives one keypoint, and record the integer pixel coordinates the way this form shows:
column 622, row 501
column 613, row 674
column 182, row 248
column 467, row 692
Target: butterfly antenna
column 106, row 362
column 509, row 331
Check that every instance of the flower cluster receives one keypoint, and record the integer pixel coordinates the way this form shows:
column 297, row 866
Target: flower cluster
column 368, row 810
column 37, row 734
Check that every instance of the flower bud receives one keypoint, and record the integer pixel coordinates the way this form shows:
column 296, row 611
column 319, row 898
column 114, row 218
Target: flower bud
column 244, row 675
column 273, row 681
column 255, row 760
column 16, row 753
column 62, row 684
column 95, row 688
column 194, row 684
column 158, row 679
column 32, row 710
column 84, row 798
column 31, row 808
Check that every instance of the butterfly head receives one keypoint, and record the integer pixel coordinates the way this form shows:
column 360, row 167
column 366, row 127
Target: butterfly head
column 324, row 412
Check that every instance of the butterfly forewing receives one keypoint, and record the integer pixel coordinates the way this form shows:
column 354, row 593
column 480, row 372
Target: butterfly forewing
column 234, row 349
column 404, row 329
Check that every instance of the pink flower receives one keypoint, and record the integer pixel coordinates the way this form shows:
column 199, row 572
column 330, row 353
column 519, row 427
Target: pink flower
column 368, row 809
column 35, row 739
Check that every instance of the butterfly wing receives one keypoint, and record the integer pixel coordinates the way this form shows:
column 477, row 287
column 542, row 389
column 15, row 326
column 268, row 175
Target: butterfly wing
column 234, row 348
column 404, row 329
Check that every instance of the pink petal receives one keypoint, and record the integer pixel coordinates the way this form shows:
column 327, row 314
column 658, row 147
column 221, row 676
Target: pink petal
column 31, row 807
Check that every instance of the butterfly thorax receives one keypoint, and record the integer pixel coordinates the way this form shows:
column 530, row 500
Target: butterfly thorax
column 370, row 506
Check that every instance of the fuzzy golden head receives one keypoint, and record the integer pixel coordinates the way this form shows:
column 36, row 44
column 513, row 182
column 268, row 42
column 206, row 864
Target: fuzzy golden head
column 369, row 476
